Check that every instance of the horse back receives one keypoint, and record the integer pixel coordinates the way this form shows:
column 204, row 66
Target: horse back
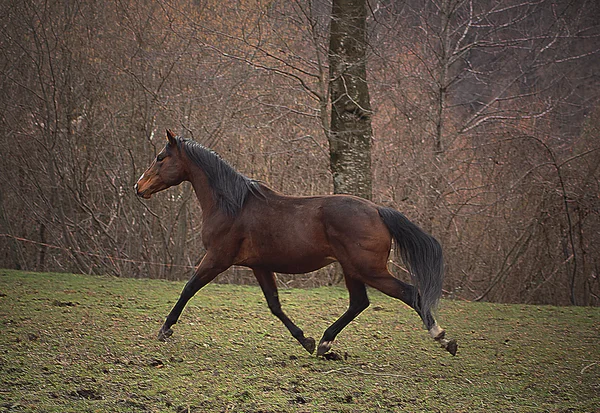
column 301, row 234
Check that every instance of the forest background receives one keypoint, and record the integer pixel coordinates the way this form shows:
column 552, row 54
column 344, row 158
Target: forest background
column 485, row 122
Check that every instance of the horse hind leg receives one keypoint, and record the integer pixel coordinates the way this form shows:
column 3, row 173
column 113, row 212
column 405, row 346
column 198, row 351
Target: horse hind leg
column 359, row 301
column 439, row 335
column 266, row 280
column 389, row 285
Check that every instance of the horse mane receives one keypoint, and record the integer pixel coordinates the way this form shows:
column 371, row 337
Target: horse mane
column 230, row 188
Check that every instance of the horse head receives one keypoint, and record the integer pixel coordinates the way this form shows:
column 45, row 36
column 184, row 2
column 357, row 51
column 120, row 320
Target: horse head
column 166, row 170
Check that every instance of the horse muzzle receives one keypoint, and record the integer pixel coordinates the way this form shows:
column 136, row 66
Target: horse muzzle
column 141, row 194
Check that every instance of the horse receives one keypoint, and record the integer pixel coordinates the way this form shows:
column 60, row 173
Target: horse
column 246, row 223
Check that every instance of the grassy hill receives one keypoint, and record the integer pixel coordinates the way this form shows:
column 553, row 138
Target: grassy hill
column 75, row 343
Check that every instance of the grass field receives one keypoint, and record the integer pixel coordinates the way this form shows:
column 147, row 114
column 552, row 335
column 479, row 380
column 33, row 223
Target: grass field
column 74, row 343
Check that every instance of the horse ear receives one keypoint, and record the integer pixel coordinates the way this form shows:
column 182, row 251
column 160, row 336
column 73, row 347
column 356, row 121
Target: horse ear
column 171, row 138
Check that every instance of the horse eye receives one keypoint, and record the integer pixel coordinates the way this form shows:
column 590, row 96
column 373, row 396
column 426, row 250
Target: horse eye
column 160, row 157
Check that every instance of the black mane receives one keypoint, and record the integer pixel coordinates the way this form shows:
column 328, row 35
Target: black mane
column 230, row 188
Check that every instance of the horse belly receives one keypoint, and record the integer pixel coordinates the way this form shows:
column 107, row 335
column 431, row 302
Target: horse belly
column 288, row 252
column 299, row 266
column 290, row 260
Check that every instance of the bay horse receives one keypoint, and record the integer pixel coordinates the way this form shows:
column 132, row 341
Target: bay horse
column 246, row 223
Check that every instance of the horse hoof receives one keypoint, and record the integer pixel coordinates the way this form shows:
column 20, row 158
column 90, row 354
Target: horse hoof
column 324, row 347
column 309, row 344
column 452, row 347
column 163, row 335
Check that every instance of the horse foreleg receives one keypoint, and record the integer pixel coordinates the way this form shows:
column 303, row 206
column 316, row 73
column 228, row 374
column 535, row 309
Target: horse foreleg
column 266, row 279
column 204, row 273
column 358, row 303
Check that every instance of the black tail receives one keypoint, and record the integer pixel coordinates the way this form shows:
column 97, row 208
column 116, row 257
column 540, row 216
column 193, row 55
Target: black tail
column 421, row 253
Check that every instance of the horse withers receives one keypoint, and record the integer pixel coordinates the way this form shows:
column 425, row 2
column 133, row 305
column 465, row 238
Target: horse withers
column 248, row 224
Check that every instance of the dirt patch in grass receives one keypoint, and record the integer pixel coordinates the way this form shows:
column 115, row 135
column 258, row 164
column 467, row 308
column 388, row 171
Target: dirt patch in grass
column 73, row 343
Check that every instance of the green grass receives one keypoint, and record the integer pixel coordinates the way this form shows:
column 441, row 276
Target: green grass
column 74, row 343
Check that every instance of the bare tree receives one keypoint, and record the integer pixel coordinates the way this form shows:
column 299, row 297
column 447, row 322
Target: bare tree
column 350, row 135
column 503, row 79
column 485, row 117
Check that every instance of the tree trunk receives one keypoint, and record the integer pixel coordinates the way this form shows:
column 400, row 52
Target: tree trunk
column 351, row 133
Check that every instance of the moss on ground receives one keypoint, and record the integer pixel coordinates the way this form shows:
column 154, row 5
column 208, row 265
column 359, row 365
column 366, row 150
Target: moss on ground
column 75, row 343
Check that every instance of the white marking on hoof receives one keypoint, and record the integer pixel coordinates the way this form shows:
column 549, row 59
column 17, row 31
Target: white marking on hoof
column 324, row 347
column 450, row 345
column 436, row 332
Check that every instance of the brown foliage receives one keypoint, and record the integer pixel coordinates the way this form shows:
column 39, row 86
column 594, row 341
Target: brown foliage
column 485, row 123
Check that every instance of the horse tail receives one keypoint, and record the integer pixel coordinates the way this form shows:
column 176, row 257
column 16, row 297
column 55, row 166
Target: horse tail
column 421, row 253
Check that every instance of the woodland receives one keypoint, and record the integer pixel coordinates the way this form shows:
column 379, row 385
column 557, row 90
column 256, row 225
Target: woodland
column 485, row 121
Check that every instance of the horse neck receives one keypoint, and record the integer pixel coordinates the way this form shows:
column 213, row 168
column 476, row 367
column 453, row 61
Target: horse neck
column 203, row 190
